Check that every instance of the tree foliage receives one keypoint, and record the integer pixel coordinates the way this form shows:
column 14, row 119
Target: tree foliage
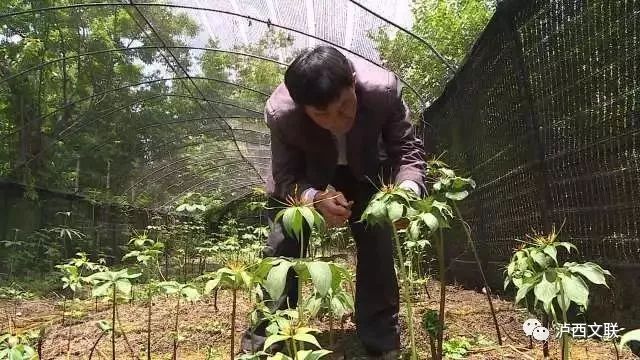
column 450, row 26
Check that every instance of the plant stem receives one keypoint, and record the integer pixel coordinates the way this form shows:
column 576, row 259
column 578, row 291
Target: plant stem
column 64, row 309
column 149, row 303
column 545, row 344
column 479, row 263
column 233, row 323
column 93, row 348
column 175, row 330
column 295, row 348
column 113, row 324
column 330, row 327
column 566, row 351
column 443, row 290
column 68, row 340
column 124, row 336
column 215, row 300
column 432, row 345
column 407, row 296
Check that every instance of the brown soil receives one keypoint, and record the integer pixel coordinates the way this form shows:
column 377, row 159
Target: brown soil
column 203, row 330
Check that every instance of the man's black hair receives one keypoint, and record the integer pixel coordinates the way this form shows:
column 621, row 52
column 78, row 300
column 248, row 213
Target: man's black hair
column 317, row 76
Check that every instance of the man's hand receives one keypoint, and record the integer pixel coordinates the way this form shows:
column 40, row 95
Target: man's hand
column 333, row 206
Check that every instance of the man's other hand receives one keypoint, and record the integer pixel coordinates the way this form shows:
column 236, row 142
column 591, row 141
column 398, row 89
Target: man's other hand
column 333, row 206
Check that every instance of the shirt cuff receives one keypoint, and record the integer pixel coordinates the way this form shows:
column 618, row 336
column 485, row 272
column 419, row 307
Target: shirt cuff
column 308, row 195
column 411, row 185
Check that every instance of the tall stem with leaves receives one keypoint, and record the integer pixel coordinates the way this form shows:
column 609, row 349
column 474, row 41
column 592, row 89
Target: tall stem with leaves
column 111, row 284
column 387, row 207
column 182, row 291
column 543, row 286
column 146, row 252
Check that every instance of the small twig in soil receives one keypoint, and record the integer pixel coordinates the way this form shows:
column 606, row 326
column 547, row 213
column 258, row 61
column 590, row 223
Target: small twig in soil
column 95, row 344
column 124, row 335
column 493, row 348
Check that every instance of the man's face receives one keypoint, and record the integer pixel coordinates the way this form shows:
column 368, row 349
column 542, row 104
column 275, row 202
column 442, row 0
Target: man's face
column 338, row 117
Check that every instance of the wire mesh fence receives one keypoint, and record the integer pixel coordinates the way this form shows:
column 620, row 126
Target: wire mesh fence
column 544, row 113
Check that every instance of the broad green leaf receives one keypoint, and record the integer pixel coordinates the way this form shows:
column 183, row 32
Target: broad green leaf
column 633, row 335
column 507, row 281
column 575, row 289
column 124, row 286
column 414, row 230
column 246, row 279
column 273, row 339
column 593, row 272
column 308, row 338
column 540, row 258
column 102, row 290
column 395, row 211
column 276, row 279
column 308, row 216
column 523, row 291
column 430, row 220
column 552, row 252
column 566, row 245
column 305, row 330
column 321, row 276
column 289, row 222
column 190, row 293
column 211, row 284
column 104, row 325
column 545, row 290
column 457, row 196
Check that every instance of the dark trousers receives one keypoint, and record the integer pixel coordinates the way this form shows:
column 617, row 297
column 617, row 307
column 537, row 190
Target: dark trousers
column 376, row 299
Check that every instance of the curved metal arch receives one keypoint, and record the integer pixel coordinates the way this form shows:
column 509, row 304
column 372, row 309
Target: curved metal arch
column 198, row 143
column 227, row 190
column 268, row 22
column 211, row 168
column 156, row 47
column 193, row 186
column 106, row 92
column 104, row 143
column 173, row 199
column 182, row 147
column 112, row 111
column 237, row 168
column 182, row 68
column 174, row 162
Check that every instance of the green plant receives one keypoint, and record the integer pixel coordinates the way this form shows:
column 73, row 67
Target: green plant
column 456, row 348
column 297, row 217
column 449, row 188
column 72, row 279
column 298, row 220
column 295, row 335
column 387, row 207
column 543, row 285
column 433, row 327
column 13, row 347
column 183, row 291
column 629, row 336
column 67, row 235
column 146, row 252
column 15, row 295
column 112, row 284
column 235, row 277
column 336, row 302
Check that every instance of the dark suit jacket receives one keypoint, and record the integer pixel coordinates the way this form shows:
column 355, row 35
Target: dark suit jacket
column 305, row 155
